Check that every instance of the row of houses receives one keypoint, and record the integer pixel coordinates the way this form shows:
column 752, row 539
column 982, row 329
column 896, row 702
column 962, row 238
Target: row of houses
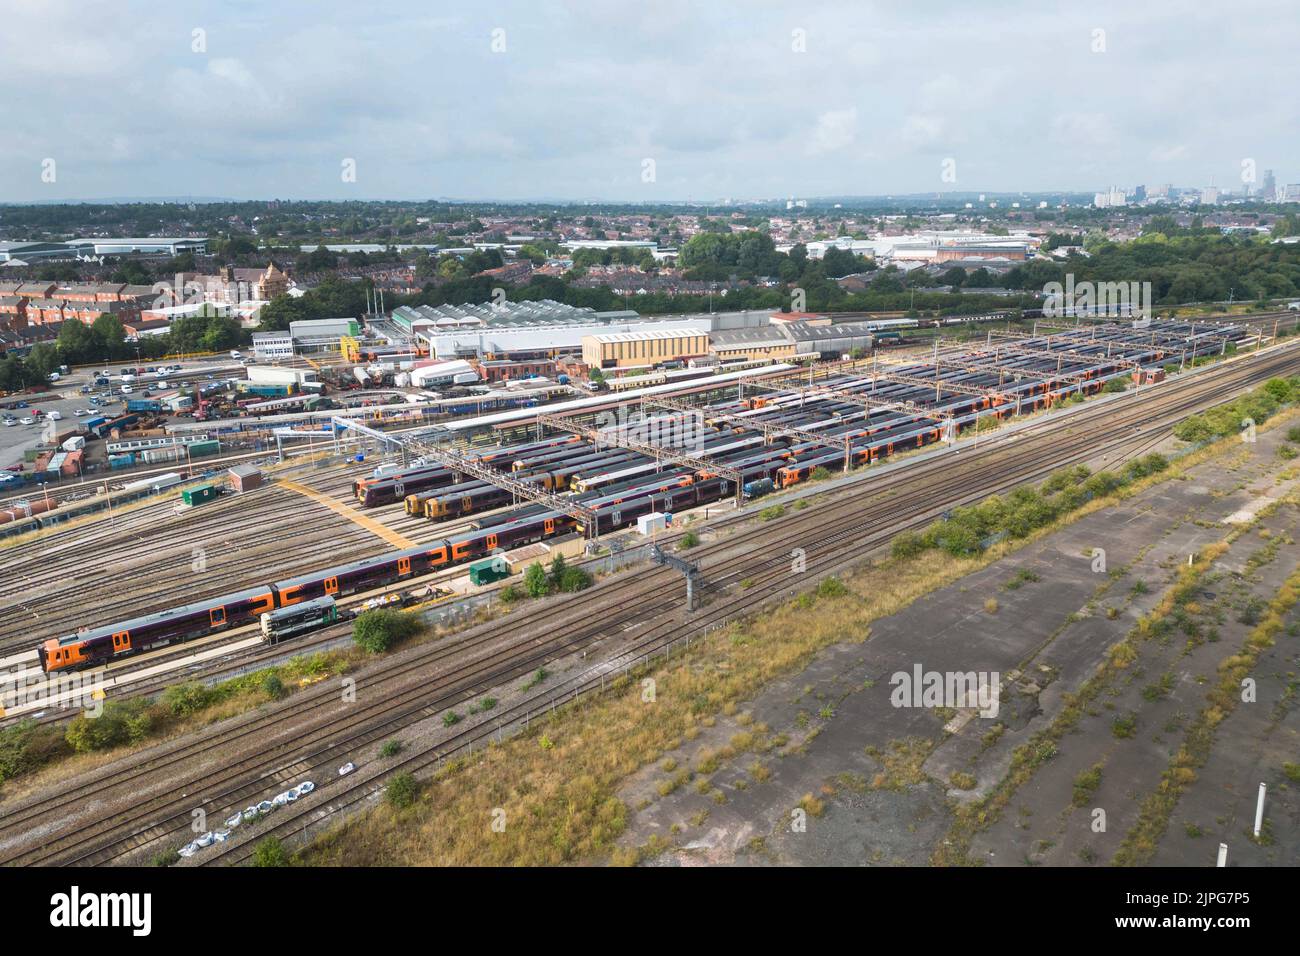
column 24, row 305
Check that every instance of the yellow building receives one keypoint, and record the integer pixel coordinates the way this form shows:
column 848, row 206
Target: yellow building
column 636, row 349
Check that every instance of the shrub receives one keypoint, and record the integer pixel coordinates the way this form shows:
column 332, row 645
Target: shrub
column 390, row 748
column 121, row 722
column 378, row 630
column 907, row 544
column 165, row 857
column 831, row 587
column 450, row 718
column 818, row 474
column 272, row 686
column 270, row 852
column 1116, row 385
column 184, row 699
column 689, row 540
column 401, row 791
column 24, row 746
column 509, row 594
column 573, row 579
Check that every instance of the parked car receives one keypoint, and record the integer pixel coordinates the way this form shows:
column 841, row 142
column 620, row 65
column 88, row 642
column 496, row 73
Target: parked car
column 56, row 416
column 28, row 421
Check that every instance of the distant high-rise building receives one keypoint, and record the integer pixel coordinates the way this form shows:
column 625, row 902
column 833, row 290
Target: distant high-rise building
column 1210, row 196
column 1139, row 193
column 1112, row 197
column 1268, row 192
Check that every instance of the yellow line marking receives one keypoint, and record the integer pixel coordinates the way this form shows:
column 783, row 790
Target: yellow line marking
column 370, row 524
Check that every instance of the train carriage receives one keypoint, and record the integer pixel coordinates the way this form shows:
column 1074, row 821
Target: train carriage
column 101, row 644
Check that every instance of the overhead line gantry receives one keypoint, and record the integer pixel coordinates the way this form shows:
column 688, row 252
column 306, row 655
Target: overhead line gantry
column 768, row 430
column 618, row 438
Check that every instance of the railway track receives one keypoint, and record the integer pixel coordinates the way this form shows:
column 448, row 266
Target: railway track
column 767, row 581
column 430, row 679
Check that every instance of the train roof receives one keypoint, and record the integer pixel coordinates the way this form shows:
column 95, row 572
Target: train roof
column 360, row 565
column 145, row 620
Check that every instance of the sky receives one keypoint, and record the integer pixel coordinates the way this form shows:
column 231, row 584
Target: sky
column 656, row 100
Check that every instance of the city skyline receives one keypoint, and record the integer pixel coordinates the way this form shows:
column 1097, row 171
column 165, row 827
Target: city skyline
column 305, row 101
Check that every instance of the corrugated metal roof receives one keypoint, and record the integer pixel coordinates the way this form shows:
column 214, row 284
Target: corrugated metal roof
column 649, row 334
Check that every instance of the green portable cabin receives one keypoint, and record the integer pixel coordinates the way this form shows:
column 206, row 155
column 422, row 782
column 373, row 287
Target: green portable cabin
column 197, row 496
column 488, row 570
column 201, row 448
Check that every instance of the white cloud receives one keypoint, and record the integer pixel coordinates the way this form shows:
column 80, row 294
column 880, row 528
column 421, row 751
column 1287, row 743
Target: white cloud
column 835, row 130
column 713, row 92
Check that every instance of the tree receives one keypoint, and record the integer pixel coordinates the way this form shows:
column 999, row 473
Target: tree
column 110, row 336
column 953, row 277
column 536, row 582
column 77, row 343
column 42, row 360
column 133, row 272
